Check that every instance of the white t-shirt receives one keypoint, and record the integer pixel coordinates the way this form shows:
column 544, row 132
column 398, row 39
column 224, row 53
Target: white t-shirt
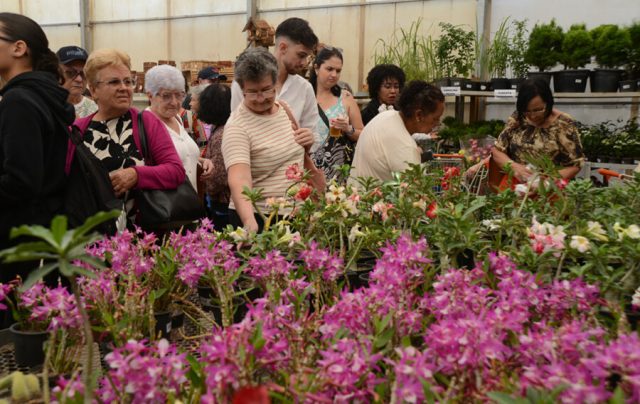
column 187, row 150
column 384, row 146
column 298, row 94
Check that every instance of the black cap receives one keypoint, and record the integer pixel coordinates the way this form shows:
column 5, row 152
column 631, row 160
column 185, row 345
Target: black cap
column 68, row 54
column 211, row 73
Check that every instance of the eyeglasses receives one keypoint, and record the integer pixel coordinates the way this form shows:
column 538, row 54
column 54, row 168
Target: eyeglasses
column 71, row 74
column 253, row 95
column 536, row 111
column 4, row 38
column 115, row 83
column 168, row 97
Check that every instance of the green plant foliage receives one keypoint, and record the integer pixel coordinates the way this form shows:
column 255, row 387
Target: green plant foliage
column 518, row 48
column 455, row 50
column 577, row 47
column 633, row 52
column 412, row 52
column 498, row 54
column 611, row 44
column 545, row 45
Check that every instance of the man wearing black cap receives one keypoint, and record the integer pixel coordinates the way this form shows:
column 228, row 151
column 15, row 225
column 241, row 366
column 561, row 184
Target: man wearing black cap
column 207, row 75
column 72, row 60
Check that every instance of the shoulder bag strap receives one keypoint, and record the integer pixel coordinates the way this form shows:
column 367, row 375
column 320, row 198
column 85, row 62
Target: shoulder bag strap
column 323, row 116
column 143, row 137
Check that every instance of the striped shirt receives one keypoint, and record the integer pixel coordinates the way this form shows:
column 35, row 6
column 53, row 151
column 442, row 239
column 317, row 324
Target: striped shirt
column 267, row 145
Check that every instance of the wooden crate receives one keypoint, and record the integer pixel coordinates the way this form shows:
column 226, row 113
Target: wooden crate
column 148, row 65
column 167, row 62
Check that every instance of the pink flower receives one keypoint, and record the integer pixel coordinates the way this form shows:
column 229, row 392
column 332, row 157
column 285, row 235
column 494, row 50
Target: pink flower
column 294, row 173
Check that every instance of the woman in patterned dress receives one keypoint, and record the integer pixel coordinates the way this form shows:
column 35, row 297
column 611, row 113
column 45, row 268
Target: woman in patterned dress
column 338, row 110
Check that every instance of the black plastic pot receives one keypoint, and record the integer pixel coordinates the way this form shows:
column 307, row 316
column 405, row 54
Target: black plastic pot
column 457, row 81
column 515, row 83
column 626, row 86
column 570, row 81
column 500, row 84
column 205, row 293
column 485, row 85
column 605, row 80
column 28, row 346
column 240, row 310
column 546, row 76
column 163, row 324
column 469, row 85
column 443, row 82
column 177, row 320
column 628, row 160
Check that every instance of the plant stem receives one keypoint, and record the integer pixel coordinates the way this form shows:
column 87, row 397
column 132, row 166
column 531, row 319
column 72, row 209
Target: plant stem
column 87, row 371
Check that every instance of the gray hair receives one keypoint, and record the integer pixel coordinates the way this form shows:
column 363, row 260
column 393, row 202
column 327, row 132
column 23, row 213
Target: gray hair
column 254, row 64
column 163, row 77
column 195, row 91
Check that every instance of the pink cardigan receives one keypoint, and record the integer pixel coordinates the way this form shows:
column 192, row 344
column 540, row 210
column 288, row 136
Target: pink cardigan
column 167, row 171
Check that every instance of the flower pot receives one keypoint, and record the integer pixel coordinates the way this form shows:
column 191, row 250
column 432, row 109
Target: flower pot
column 570, row 81
column 469, row 85
column 457, row 81
column 28, row 346
column 628, row 160
column 240, row 310
column 177, row 319
column 163, row 324
column 443, row 82
column 355, row 282
column 205, row 293
column 605, row 80
column 627, row 86
column 485, row 85
column 515, row 83
column 546, row 76
column 500, row 83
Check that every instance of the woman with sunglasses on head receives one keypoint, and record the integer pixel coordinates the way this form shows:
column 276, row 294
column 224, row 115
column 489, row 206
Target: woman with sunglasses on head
column 112, row 133
column 537, row 129
column 340, row 122
column 164, row 85
column 34, row 114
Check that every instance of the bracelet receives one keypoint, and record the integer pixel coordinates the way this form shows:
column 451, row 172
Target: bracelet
column 351, row 132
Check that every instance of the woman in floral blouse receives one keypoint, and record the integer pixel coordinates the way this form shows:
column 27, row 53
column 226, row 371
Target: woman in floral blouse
column 535, row 130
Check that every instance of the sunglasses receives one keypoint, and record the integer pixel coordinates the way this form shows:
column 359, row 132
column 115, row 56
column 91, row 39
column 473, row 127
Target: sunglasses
column 71, row 74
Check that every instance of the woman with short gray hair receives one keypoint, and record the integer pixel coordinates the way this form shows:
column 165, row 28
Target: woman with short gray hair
column 259, row 141
column 164, row 85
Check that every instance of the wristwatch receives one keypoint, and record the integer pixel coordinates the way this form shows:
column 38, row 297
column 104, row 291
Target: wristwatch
column 351, row 132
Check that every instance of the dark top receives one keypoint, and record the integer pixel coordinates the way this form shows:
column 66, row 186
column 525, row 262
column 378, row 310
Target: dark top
column 33, row 147
column 370, row 111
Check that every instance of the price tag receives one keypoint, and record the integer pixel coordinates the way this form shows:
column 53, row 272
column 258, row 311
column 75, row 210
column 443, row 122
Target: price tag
column 504, row 93
column 450, row 90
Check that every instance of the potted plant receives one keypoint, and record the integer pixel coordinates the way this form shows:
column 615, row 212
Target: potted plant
column 577, row 47
column 545, row 45
column 517, row 52
column 633, row 60
column 455, row 51
column 610, row 44
column 497, row 59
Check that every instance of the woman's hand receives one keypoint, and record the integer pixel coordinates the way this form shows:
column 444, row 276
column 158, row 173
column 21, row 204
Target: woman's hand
column 207, row 168
column 304, row 137
column 342, row 123
column 521, row 172
column 123, row 180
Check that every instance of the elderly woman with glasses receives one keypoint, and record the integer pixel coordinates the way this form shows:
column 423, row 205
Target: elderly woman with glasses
column 537, row 129
column 259, row 141
column 164, row 85
column 112, row 133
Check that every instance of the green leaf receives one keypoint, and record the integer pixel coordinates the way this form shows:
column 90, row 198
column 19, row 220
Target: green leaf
column 618, row 396
column 383, row 339
column 504, row 398
column 37, row 275
column 94, row 221
column 256, row 338
column 35, row 231
column 59, row 228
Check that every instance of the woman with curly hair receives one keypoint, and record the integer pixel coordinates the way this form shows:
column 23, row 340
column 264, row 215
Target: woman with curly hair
column 385, row 83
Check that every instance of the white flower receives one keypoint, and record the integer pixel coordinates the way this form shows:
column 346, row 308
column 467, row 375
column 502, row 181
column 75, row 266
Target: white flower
column 521, row 190
column 595, row 229
column 635, row 300
column 335, row 194
column 492, row 224
column 355, row 233
column 633, row 231
column 580, row 243
column 239, row 234
column 619, row 230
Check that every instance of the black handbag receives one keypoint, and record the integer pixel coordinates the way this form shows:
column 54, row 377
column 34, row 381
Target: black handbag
column 161, row 209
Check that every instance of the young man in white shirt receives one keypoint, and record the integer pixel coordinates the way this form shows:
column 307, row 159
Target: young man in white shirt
column 295, row 42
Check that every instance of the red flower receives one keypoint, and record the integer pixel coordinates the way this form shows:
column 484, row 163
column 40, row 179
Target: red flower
column 562, row 183
column 451, row 172
column 251, row 395
column 432, row 210
column 303, row 193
